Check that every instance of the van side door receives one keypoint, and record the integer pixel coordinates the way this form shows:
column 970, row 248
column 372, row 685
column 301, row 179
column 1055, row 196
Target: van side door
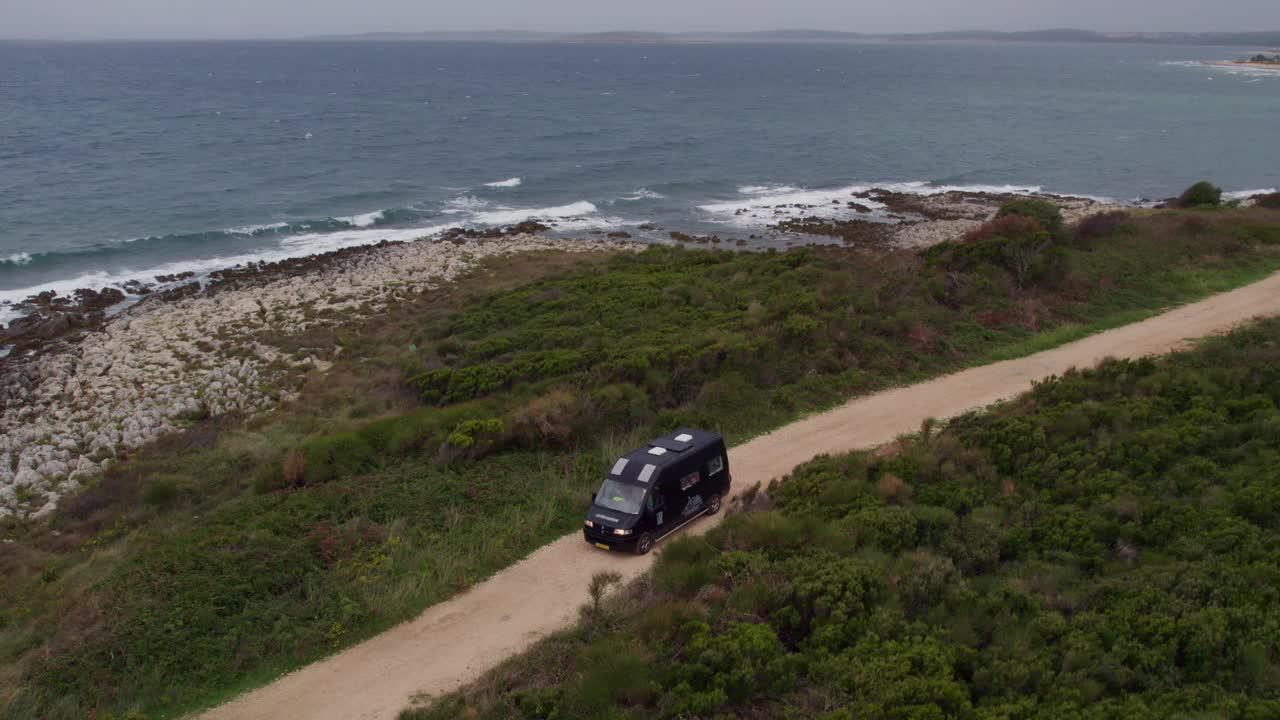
column 658, row 507
column 692, row 491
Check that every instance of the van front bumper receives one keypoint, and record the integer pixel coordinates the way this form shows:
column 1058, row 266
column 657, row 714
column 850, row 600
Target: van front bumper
column 604, row 539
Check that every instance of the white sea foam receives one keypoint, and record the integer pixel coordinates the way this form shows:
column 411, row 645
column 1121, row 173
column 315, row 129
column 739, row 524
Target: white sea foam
column 1252, row 71
column 643, row 194
column 771, row 204
column 511, row 216
column 767, row 189
column 251, row 229
column 509, row 183
column 464, row 204
column 1244, row 194
column 364, row 220
column 767, row 204
column 17, row 259
column 289, row 247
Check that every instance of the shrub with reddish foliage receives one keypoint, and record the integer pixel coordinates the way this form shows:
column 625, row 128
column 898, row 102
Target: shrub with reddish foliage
column 1100, row 225
column 1270, row 200
column 1009, row 227
column 334, row 542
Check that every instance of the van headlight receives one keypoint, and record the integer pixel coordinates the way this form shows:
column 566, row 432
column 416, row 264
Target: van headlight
column 589, row 523
column 620, row 531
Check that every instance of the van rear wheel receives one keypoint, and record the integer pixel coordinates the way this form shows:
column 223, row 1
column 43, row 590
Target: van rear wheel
column 644, row 544
column 713, row 505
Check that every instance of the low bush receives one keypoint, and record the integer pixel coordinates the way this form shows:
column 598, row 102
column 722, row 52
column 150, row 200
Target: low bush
column 552, row 419
column 1045, row 213
column 1100, row 225
column 1202, row 194
column 331, row 457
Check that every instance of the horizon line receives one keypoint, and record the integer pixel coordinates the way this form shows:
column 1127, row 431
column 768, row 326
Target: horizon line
column 552, row 34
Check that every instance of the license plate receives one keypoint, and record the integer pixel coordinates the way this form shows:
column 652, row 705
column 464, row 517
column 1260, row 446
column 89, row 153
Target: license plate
column 602, row 546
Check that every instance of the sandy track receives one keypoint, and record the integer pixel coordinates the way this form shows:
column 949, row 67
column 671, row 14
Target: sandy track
column 458, row 640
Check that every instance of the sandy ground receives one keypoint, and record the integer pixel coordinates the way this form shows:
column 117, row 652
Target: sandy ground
column 456, row 641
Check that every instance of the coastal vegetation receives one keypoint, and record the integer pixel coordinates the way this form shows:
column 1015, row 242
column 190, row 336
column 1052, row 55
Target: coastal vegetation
column 1105, row 546
column 1202, row 194
column 460, row 429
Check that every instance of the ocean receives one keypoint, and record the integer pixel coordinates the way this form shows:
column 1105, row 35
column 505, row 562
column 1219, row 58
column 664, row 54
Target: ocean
column 130, row 160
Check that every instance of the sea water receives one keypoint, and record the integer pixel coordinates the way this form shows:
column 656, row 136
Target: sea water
column 124, row 160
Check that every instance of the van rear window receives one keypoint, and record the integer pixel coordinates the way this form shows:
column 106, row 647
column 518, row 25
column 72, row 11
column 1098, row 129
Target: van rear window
column 715, row 465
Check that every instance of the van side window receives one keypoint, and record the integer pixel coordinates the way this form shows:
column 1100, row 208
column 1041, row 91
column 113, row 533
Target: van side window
column 715, row 465
column 690, row 480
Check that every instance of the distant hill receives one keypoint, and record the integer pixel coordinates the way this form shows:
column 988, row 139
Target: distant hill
column 1252, row 39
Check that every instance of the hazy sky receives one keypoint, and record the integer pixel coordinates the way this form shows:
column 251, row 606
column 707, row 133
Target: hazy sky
column 286, row 18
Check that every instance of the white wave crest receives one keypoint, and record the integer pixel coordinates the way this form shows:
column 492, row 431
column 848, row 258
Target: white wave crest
column 767, row 189
column 464, row 204
column 289, row 247
column 783, row 202
column 642, row 194
column 252, row 229
column 511, row 216
column 508, row 183
column 19, row 258
column 364, row 220
column 768, row 204
column 1245, row 194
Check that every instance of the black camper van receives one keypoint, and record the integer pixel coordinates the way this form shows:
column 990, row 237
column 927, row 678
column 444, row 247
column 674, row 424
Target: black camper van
column 655, row 490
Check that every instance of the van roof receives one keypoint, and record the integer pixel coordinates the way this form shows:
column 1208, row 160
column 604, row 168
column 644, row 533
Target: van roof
column 639, row 465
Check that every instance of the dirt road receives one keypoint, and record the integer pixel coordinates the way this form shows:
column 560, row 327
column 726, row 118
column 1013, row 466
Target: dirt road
column 456, row 641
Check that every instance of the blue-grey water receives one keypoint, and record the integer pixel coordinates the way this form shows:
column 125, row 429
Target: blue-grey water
column 129, row 160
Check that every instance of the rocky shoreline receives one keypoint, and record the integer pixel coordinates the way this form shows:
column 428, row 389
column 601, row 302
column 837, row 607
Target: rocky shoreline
column 82, row 388
column 92, row 377
column 911, row 221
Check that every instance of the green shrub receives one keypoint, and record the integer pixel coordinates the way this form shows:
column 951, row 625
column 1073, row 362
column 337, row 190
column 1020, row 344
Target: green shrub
column 1045, row 213
column 685, row 566
column 1202, row 194
column 725, row 669
column 889, row 528
column 620, row 406
column 161, row 491
column 927, row 580
column 472, row 439
column 331, row 457
column 551, row 419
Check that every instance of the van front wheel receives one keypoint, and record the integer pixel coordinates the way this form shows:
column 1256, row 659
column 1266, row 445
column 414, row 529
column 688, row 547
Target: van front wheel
column 713, row 505
column 644, row 544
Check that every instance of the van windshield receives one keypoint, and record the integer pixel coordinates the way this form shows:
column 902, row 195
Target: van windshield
column 620, row 496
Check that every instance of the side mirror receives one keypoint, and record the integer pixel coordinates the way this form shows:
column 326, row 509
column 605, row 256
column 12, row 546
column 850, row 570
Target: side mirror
column 591, row 499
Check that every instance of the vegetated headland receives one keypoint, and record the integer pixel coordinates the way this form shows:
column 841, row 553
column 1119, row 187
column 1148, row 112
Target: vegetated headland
column 1261, row 61
column 285, row 459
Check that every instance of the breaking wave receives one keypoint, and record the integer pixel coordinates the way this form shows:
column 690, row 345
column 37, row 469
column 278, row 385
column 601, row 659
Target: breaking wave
column 508, row 183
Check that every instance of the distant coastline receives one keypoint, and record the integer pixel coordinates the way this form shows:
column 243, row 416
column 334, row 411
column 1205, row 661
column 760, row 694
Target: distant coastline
column 1273, row 67
column 628, row 37
column 1260, row 61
